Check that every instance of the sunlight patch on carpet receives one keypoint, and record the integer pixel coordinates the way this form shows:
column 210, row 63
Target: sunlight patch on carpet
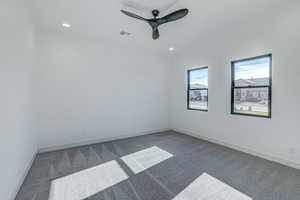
column 145, row 159
column 206, row 187
column 88, row 182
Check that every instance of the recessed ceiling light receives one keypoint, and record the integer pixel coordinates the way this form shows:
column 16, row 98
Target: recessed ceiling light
column 171, row 49
column 66, row 25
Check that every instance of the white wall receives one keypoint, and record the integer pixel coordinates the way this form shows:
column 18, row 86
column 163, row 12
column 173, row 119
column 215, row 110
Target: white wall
column 17, row 144
column 89, row 91
column 277, row 137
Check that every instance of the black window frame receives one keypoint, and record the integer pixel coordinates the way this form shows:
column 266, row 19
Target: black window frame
column 189, row 89
column 233, row 87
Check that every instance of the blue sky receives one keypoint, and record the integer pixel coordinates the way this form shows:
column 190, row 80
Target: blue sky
column 199, row 76
column 258, row 68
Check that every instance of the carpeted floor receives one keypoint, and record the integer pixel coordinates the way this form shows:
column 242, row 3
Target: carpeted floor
column 258, row 178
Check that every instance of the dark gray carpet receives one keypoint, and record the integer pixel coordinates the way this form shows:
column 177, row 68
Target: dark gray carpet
column 256, row 177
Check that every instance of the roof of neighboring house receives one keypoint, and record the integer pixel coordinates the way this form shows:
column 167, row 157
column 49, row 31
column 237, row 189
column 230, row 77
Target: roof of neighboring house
column 197, row 86
column 252, row 82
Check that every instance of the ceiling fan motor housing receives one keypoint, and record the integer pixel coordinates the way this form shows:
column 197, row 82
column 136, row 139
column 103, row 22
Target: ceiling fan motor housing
column 155, row 13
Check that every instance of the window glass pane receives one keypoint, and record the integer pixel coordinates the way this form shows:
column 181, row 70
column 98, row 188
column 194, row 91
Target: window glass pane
column 198, row 78
column 198, row 99
column 254, row 101
column 255, row 72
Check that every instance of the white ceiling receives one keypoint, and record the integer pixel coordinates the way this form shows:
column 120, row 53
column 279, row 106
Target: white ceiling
column 99, row 19
column 147, row 6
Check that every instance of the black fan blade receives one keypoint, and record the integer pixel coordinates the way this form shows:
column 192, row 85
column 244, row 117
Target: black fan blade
column 173, row 16
column 155, row 34
column 133, row 15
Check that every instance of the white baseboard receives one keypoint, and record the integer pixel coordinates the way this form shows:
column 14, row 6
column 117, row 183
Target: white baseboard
column 89, row 142
column 20, row 183
column 242, row 149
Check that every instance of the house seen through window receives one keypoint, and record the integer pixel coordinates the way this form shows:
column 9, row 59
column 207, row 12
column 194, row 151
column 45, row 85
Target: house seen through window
column 251, row 86
column 198, row 89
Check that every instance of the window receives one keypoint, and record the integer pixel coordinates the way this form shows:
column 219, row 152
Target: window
column 252, row 86
column 197, row 94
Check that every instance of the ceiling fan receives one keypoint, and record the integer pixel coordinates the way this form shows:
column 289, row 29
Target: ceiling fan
column 155, row 22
